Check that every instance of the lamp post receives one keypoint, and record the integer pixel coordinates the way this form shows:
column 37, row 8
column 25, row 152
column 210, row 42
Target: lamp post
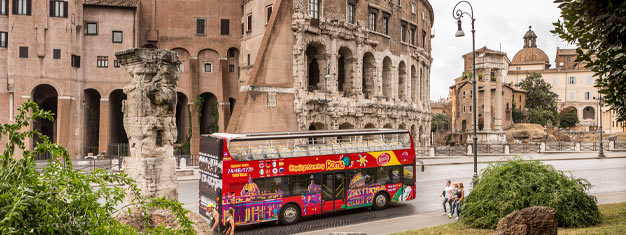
column 458, row 15
column 601, row 152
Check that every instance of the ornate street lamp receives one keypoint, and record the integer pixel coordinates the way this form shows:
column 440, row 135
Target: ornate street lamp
column 601, row 152
column 458, row 15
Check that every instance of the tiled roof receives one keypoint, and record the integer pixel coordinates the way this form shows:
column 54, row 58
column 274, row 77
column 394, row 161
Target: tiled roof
column 112, row 3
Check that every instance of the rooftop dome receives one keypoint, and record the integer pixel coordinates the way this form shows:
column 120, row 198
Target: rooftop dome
column 530, row 53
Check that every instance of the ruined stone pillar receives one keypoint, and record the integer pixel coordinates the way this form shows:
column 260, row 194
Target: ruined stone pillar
column 487, row 100
column 150, row 120
column 498, row 121
column 64, row 124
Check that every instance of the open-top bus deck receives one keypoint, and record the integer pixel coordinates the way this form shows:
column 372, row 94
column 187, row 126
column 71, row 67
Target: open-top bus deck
column 285, row 175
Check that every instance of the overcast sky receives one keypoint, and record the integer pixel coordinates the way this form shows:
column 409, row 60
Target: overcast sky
column 498, row 23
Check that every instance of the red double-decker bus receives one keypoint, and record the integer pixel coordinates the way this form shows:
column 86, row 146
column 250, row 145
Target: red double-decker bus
column 286, row 175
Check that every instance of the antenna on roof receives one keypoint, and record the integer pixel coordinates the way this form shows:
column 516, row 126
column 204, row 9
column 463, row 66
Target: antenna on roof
column 500, row 47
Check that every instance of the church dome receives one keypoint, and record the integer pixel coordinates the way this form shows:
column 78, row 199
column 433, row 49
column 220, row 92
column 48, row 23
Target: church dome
column 530, row 53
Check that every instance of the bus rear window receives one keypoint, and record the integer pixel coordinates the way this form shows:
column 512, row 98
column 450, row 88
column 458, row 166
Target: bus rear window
column 407, row 177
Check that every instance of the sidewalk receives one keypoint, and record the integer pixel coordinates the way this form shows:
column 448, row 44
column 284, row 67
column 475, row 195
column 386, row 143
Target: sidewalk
column 445, row 160
column 405, row 223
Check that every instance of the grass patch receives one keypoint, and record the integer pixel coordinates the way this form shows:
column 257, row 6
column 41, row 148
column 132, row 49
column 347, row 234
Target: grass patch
column 613, row 222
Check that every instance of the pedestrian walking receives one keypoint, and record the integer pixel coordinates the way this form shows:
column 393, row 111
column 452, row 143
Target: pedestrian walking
column 214, row 219
column 230, row 222
column 452, row 199
column 460, row 195
column 447, row 191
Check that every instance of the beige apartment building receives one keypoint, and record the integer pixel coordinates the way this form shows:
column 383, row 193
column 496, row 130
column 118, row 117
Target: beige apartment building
column 570, row 80
column 265, row 60
column 367, row 63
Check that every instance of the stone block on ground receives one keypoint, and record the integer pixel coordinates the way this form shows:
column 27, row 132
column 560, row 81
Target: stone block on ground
column 536, row 220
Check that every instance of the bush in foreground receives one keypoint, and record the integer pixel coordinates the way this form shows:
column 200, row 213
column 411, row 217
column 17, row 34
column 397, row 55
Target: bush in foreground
column 508, row 186
column 60, row 200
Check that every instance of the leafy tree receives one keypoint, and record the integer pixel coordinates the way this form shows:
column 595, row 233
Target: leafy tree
column 598, row 27
column 516, row 184
column 568, row 117
column 518, row 114
column 60, row 200
column 542, row 117
column 540, row 100
column 439, row 121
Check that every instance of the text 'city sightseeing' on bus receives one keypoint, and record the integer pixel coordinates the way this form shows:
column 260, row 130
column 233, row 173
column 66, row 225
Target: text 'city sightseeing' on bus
column 286, row 175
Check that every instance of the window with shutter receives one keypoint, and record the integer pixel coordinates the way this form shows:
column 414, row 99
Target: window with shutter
column 118, row 37
column 4, row 5
column 200, row 26
column 56, row 54
column 21, row 7
column 23, row 53
column 75, row 61
column 4, row 39
column 58, row 8
column 225, row 29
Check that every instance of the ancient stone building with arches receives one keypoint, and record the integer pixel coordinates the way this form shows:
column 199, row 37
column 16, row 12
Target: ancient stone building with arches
column 319, row 64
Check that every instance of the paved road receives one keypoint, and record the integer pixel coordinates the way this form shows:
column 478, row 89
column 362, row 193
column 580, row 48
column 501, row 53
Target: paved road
column 606, row 175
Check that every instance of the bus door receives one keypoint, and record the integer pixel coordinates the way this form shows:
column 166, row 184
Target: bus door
column 333, row 191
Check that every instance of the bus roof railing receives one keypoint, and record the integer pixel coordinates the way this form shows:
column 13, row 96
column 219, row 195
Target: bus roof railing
column 307, row 134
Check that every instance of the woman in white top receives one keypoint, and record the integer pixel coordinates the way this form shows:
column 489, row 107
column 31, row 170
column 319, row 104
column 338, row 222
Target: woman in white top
column 446, row 195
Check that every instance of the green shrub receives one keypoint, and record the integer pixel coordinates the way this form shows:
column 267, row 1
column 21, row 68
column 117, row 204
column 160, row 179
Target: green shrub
column 508, row 186
column 60, row 200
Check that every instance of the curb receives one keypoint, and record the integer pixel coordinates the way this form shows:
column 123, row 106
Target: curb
column 501, row 160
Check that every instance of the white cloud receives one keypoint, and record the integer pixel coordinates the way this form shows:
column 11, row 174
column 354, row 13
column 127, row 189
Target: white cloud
column 499, row 23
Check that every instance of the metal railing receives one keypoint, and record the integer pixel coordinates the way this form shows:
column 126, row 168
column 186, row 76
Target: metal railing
column 421, row 151
column 524, row 148
column 620, row 145
column 560, row 146
column 595, row 146
column 490, row 148
column 191, row 160
column 116, row 150
column 450, row 150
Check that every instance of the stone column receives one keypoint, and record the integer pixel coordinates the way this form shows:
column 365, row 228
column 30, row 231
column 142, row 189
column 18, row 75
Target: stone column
column 150, row 120
column 195, row 91
column 498, row 121
column 64, row 128
column 103, row 136
column 487, row 100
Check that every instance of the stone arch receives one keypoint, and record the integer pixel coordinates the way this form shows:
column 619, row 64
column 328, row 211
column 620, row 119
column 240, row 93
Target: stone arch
column 346, row 125
column 369, row 126
column 420, row 136
column 232, row 101
column 182, row 117
column 46, row 97
column 233, row 61
column 345, row 70
column 402, row 83
column 589, row 113
column 211, row 56
column 149, row 45
column 387, row 78
column 368, row 83
column 184, row 57
column 117, row 133
column 209, row 116
column 463, row 125
column 316, row 126
column 316, row 62
column 91, row 121
column 415, row 87
column 388, row 125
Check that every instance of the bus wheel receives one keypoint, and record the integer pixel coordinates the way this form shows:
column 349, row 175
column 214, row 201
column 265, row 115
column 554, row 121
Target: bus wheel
column 380, row 201
column 289, row 214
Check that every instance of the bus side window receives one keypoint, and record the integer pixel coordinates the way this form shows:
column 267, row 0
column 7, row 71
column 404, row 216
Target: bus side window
column 382, row 175
column 394, row 174
column 407, row 175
